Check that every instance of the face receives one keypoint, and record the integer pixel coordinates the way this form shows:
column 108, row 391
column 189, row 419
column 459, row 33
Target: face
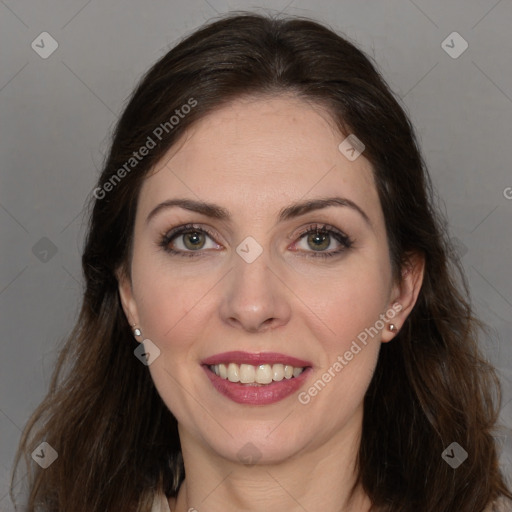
column 269, row 282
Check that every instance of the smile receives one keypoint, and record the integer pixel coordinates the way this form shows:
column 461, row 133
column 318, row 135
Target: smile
column 261, row 374
column 256, row 379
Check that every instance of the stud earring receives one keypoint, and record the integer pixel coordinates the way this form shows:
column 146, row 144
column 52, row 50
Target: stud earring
column 393, row 328
column 137, row 332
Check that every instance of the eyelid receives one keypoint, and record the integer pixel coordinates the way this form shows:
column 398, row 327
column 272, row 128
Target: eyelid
column 319, row 226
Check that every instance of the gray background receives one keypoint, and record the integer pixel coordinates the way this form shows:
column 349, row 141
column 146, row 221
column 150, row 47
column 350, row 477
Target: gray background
column 57, row 114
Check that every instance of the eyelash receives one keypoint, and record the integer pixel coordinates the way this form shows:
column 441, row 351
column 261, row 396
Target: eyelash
column 324, row 229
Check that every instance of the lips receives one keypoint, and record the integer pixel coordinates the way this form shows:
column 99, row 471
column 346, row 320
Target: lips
column 239, row 357
column 250, row 392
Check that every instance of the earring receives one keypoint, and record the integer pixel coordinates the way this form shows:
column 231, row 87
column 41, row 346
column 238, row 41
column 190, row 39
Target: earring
column 137, row 332
column 393, row 328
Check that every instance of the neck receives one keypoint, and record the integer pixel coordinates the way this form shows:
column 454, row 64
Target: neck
column 319, row 477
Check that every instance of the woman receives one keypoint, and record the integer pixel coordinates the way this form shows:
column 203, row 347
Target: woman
column 272, row 318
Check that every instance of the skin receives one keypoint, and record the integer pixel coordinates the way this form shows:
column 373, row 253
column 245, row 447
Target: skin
column 255, row 157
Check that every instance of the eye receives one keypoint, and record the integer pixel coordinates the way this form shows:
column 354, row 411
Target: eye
column 320, row 237
column 190, row 239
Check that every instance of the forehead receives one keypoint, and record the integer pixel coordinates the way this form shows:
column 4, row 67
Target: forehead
column 257, row 154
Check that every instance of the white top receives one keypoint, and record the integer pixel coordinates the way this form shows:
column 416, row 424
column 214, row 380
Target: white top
column 161, row 504
column 500, row 505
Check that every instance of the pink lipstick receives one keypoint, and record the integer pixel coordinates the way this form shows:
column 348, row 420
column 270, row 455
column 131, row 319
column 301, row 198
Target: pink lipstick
column 256, row 379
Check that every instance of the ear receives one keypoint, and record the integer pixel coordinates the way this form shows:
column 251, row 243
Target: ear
column 405, row 293
column 126, row 296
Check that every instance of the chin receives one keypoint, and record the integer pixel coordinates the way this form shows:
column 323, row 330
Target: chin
column 260, row 447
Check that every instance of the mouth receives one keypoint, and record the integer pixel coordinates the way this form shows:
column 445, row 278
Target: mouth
column 256, row 379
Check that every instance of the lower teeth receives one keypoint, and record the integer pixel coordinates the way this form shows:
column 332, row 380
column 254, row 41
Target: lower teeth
column 258, row 384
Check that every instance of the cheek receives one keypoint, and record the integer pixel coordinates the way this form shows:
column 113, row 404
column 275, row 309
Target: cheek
column 349, row 338
column 167, row 300
column 348, row 301
column 349, row 306
column 172, row 311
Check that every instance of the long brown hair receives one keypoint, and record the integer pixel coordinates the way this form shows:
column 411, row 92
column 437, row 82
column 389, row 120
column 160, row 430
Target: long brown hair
column 116, row 440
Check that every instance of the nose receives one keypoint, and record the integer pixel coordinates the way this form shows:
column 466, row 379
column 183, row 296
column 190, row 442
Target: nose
column 255, row 296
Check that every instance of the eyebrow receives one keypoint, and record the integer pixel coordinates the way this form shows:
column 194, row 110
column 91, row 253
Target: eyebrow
column 289, row 212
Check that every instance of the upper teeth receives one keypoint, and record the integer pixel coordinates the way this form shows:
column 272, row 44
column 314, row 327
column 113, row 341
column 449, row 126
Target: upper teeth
column 261, row 374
